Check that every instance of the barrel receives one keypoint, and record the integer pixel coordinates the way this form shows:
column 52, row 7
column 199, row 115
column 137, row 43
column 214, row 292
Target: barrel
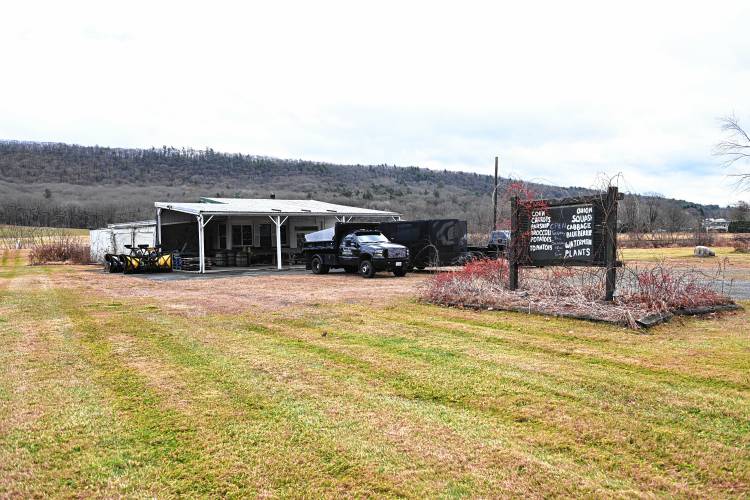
column 231, row 259
column 241, row 259
column 220, row 259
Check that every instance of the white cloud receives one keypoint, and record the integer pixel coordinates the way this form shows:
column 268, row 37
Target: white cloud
column 561, row 90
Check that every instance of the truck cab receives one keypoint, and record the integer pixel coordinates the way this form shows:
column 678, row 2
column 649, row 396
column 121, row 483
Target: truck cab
column 499, row 240
column 364, row 250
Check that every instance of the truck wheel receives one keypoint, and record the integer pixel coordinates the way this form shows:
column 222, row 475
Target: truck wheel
column 317, row 266
column 399, row 272
column 366, row 270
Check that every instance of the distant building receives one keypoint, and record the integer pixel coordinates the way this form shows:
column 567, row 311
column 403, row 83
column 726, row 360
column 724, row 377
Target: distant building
column 717, row 225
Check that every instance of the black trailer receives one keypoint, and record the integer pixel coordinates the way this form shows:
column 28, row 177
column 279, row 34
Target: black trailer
column 355, row 247
column 432, row 242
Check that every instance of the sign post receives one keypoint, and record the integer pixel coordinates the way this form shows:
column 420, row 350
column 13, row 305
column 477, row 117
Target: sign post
column 513, row 252
column 611, row 241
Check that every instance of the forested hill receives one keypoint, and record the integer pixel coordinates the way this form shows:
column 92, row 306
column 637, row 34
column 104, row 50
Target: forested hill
column 27, row 162
column 84, row 186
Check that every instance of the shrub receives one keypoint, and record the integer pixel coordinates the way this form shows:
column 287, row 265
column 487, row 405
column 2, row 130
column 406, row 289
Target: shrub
column 578, row 291
column 60, row 248
column 704, row 238
column 663, row 288
column 476, row 277
column 741, row 244
column 492, row 270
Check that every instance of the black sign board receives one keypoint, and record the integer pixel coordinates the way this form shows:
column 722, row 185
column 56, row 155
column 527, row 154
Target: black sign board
column 573, row 231
column 562, row 234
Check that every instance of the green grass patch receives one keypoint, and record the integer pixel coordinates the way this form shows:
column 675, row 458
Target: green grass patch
column 684, row 254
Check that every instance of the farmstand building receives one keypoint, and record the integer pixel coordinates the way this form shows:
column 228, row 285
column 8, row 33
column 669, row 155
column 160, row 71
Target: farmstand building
column 267, row 229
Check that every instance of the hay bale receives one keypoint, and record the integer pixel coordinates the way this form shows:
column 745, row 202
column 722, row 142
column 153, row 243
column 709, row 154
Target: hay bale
column 701, row 251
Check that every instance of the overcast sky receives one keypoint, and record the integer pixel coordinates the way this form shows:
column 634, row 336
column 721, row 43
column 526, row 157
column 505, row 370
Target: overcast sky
column 562, row 91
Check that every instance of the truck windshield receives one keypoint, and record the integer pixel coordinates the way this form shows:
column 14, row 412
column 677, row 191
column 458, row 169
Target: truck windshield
column 371, row 238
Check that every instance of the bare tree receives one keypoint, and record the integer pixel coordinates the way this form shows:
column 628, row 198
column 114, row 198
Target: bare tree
column 630, row 210
column 735, row 148
column 740, row 211
column 676, row 219
column 652, row 202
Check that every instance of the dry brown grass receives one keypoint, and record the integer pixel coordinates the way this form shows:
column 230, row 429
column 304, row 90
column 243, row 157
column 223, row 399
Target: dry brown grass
column 237, row 294
column 318, row 395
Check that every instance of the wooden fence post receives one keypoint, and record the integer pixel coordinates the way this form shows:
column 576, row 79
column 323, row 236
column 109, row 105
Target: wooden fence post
column 610, row 239
column 514, row 242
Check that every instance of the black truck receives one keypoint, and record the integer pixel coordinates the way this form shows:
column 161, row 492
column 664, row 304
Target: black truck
column 497, row 246
column 355, row 247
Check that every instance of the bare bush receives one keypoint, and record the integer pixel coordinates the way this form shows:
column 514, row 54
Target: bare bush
column 578, row 292
column 481, row 276
column 60, row 248
column 664, row 288
column 704, row 238
column 741, row 244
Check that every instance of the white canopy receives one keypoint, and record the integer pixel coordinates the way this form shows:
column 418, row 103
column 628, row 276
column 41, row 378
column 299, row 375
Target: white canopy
column 276, row 210
column 272, row 207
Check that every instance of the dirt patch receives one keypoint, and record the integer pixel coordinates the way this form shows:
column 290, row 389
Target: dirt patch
column 237, row 294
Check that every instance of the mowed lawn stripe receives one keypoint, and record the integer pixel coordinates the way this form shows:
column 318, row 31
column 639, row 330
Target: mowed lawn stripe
column 609, row 346
column 550, row 357
column 336, row 399
column 254, row 423
column 660, row 412
column 715, row 348
column 96, row 424
column 575, row 367
column 297, row 337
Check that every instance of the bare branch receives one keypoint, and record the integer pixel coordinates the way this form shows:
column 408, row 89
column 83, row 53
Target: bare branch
column 735, row 148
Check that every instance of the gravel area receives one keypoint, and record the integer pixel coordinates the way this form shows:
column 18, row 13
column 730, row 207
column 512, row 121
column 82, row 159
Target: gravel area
column 269, row 290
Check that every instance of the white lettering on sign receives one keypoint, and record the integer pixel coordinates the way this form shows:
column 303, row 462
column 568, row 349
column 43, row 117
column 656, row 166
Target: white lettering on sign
column 560, row 233
column 578, row 252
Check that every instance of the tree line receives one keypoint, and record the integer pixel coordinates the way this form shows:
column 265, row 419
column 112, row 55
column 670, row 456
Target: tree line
column 50, row 214
column 53, row 184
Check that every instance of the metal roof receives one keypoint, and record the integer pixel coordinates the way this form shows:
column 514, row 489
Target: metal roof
column 129, row 225
column 270, row 206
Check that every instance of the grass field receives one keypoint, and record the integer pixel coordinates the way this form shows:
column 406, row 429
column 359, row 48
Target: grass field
column 727, row 263
column 685, row 254
column 36, row 229
column 12, row 237
column 101, row 396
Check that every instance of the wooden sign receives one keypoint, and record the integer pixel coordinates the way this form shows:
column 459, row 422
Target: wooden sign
column 565, row 232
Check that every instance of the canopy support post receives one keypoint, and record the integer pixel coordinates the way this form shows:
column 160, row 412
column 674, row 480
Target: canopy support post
column 278, row 222
column 157, row 236
column 201, row 249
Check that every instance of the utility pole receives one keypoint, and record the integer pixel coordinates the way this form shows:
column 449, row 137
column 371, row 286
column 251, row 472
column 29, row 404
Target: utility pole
column 494, row 199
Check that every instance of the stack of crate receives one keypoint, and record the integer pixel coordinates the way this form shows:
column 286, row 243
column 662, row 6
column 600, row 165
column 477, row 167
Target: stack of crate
column 192, row 264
